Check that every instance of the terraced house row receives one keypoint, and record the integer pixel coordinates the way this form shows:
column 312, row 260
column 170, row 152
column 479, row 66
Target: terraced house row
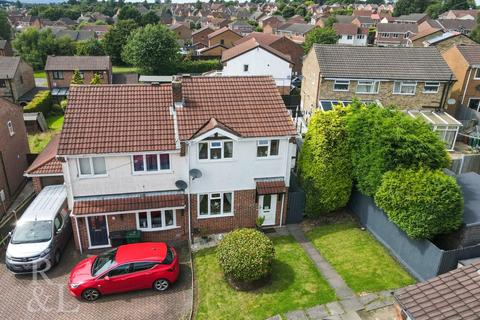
column 199, row 155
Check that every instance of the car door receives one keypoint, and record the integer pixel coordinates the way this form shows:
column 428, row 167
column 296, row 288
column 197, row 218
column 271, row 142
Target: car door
column 143, row 275
column 115, row 280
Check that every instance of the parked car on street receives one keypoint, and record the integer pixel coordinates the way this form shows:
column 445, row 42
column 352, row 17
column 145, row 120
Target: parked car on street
column 41, row 233
column 126, row 268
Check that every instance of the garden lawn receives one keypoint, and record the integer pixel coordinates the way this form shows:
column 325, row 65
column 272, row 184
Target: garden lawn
column 123, row 69
column 39, row 141
column 296, row 284
column 55, row 123
column 364, row 264
column 40, row 74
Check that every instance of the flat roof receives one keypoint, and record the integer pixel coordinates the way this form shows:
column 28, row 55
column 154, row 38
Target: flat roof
column 46, row 205
column 149, row 79
column 470, row 184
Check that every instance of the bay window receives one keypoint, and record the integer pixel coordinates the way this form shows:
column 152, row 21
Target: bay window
column 92, row 166
column 215, row 150
column 367, row 86
column 158, row 219
column 267, row 148
column 215, row 204
column 153, row 162
column 405, row 87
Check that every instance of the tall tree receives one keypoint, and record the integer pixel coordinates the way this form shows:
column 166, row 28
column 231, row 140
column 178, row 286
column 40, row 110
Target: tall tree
column 91, row 47
column 153, row 49
column 116, row 38
column 403, row 7
column 149, row 18
column 5, row 28
column 320, row 35
column 129, row 12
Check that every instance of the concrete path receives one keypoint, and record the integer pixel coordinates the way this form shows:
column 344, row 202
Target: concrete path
column 342, row 291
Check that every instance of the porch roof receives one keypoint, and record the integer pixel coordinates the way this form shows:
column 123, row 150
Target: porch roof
column 271, row 186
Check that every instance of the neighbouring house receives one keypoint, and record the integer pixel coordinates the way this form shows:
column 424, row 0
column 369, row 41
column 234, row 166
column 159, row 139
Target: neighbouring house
column 46, row 169
column 241, row 26
column 452, row 295
column 282, row 44
column 99, row 30
column 363, row 22
column 30, row 21
column 295, row 31
column 447, row 40
column 74, row 35
column 224, row 37
column 270, row 24
column 460, row 14
column 159, row 165
column 200, row 36
column 13, row 152
column 213, row 52
column 460, row 25
column 16, row 78
column 5, row 48
column 409, row 78
column 414, row 18
column 395, row 34
column 182, row 31
column 351, row 34
column 60, row 69
column 464, row 60
column 253, row 58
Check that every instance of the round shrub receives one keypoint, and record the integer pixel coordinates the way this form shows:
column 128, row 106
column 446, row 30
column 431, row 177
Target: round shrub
column 422, row 202
column 245, row 255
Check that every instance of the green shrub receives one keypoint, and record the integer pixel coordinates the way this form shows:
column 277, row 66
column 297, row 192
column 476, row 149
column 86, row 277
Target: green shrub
column 383, row 139
column 42, row 102
column 422, row 202
column 198, row 66
column 325, row 163
column 245, row 255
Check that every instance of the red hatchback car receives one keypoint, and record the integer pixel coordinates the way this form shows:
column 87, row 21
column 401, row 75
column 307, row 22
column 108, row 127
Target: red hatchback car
column 126, row 268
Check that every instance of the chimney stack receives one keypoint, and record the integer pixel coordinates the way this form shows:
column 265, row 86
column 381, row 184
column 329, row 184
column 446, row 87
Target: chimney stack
column 177, row 91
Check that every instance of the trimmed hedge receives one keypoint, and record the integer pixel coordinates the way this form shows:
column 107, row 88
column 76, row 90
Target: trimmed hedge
column 246, row 255
column 198, row 66
column 422, row 202
column 325, row 163
column 383, row 139
column 42, row 102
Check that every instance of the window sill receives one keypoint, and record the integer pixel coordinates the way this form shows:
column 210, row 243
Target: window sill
column 269, row 158
column 215, row 160
column 93, row 176
column 366, row 93
column 215, row 216
column 158, row 229
column 100, row 247
column 146, row 173
column 341, row 90
column 403, row 94
column 430, row 92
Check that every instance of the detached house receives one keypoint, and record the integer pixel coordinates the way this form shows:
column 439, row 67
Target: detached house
column 60, row 71
column 351, row 34
column 16, row 78
column 200, row 155
column 409, row 78
column 396, row 34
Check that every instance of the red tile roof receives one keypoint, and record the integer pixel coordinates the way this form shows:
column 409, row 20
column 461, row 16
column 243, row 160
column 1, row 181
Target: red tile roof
column 271, row 186
column 220, row 31
column 117, row 118
column 264, row 38
column 249, row 45
column 251, row 106
column 45, row 163
column 349, row 29
column 128, row 203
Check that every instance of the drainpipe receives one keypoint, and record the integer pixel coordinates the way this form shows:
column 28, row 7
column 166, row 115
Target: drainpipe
column 78, row 233
column 188, row 194
column 281, row 210
column 466, row 86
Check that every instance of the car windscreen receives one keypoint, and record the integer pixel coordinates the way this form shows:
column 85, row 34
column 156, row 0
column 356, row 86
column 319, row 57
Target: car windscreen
column 169, row 257
column 32, row 231
column 103, row 262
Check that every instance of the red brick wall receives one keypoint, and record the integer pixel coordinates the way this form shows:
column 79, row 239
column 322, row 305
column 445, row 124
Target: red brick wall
column 37, row 184
column 40, row 182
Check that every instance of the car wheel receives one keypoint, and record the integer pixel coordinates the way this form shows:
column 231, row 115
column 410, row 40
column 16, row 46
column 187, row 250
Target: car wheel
column 161, row 285
column 90, row 294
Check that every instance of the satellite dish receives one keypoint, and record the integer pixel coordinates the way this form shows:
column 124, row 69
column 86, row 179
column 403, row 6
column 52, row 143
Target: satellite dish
column 451, row 101
column 195, row 173
column 180, row 184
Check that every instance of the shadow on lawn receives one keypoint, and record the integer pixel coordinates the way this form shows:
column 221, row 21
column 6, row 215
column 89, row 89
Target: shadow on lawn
column 282, row 278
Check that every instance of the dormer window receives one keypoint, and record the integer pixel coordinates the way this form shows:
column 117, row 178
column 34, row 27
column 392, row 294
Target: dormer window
column 215, row 150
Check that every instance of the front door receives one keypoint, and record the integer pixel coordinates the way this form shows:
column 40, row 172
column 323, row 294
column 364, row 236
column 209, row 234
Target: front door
column 267, row 208
column 98, row 231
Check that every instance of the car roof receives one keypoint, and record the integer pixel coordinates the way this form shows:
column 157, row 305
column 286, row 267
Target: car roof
column 46, row 205
column 145, row 251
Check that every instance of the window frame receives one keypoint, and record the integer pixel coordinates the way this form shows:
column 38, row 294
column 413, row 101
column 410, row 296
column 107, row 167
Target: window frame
column 349, row 37
column 341, row 82
column 92, row 173
column 149, row 227
column 245, row 68
column 431, row 84
column 269, row 149
column 402, row 84
column 478, row 104
column 209, row 147
column 476, row 75
column 3, row 83
column 145, row 171
column 360, row 36
column 374, row 83
column 58, row 75
column 209, row 199
column 11, row 129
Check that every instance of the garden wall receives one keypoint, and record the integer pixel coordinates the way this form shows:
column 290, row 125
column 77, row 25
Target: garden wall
column 422, row 258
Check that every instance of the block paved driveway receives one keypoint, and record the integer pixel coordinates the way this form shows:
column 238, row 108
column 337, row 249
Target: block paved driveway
column 21, row 297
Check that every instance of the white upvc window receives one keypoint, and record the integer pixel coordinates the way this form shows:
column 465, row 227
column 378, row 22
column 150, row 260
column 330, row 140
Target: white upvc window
column 431, row 87
column 360, row 36
column 92, row 166
column 477, row 74
column 349, row 37
column 405, row 87
column 385, row 35
column 215, row 204
column 11, row 131
column 474, row 103
column 341, row 85
column 215, row 150
column 151, row 162
column 368, row 86
column 268, row 148
column 395, row 35
column 156, row 220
